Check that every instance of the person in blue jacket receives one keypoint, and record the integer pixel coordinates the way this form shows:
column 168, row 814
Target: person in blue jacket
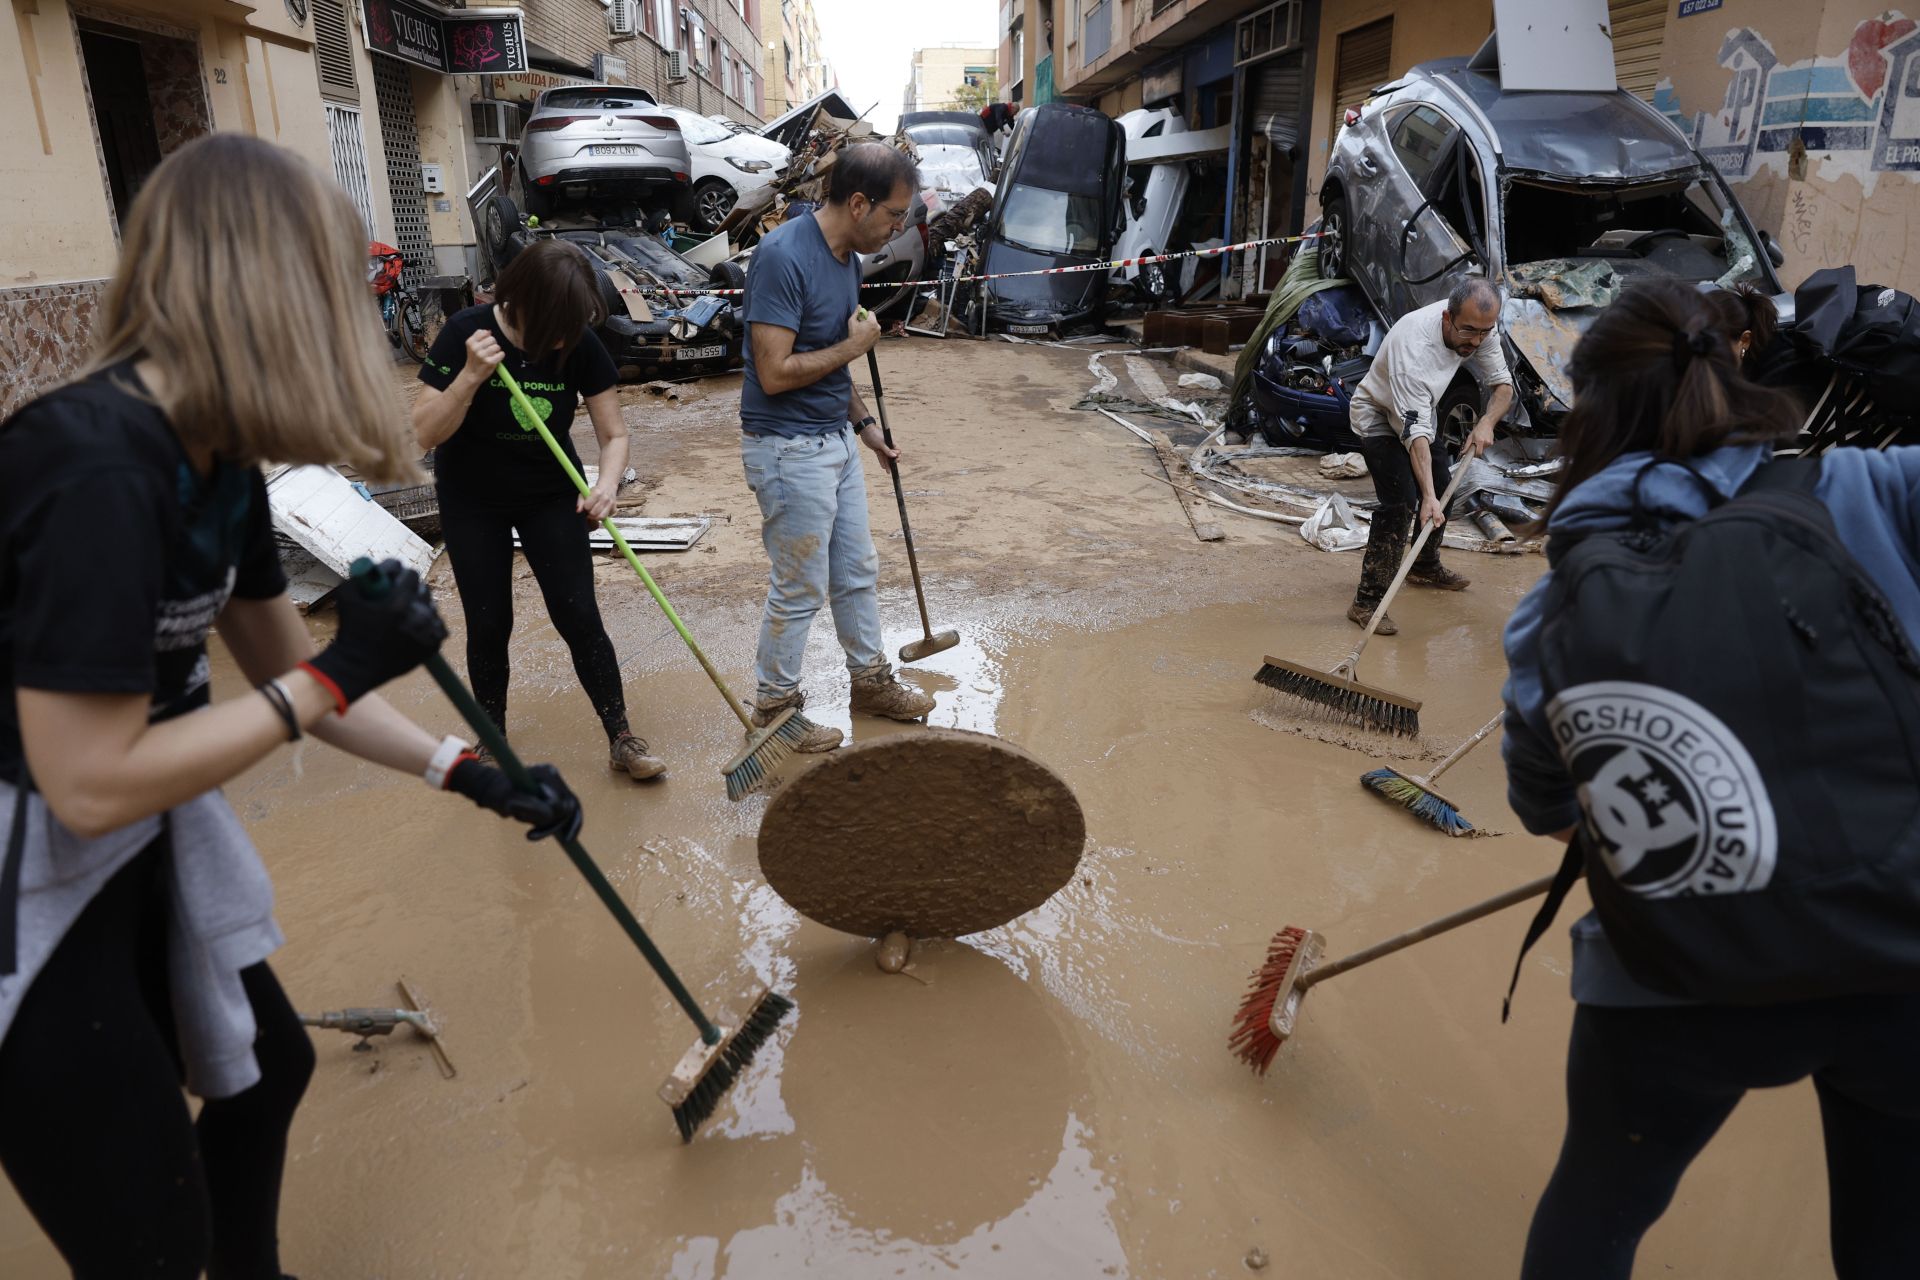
column 1650, row 1079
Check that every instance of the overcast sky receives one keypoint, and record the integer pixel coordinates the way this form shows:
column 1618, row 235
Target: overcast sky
column 871, row 45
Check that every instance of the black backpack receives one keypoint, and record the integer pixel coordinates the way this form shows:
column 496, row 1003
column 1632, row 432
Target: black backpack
column 1741, row 711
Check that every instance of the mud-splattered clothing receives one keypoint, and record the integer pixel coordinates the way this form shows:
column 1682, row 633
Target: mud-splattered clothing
column 1411, row 374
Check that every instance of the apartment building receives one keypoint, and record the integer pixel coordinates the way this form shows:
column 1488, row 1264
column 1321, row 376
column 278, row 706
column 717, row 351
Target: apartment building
column 794, row 67
column 951, row 77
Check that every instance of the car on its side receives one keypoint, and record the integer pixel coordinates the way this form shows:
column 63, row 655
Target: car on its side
column 728, row 166
column 1156, row 197
column 600, row 143
column 1561, row 197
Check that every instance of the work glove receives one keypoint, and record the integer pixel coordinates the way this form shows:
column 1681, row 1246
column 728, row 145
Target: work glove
column 381, row 636
column 555, row 811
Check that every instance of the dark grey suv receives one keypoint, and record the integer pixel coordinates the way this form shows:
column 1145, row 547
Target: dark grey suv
column 1562, row 198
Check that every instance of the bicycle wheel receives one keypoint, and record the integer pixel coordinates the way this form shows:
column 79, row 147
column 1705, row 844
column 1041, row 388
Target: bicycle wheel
column 413, row 329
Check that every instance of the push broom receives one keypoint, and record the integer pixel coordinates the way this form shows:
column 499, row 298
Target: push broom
column 765, row 747
column 708, row 1069
column 931, row 644
column 1292, row 968
column 1417, row 796
column 1338, row 690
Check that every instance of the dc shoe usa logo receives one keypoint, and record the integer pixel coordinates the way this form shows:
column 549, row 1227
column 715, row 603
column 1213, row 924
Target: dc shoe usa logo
column 1673, row 802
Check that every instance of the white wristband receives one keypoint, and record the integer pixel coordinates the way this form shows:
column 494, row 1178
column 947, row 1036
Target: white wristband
column 444, row 756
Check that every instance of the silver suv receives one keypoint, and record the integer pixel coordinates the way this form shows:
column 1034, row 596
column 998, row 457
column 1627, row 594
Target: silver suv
column 1561, row 198
column 601, row 143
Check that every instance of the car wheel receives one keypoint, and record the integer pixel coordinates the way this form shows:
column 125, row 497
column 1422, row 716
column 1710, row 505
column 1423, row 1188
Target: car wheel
column 713, row 200
column 503, row 219
column 727, row 275
column 1458, row 410
column 1152, row 281
column 1333, row 237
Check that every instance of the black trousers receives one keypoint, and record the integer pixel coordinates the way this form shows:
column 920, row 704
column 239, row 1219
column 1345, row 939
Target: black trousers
column 1647, row 1089
column 94, row 1130
column 1391, row 468
column 553, row 536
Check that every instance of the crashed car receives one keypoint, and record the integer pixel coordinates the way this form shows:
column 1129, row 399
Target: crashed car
column 653, row 329
column 1563, row 198
column 598, row 142
column 1058, row 204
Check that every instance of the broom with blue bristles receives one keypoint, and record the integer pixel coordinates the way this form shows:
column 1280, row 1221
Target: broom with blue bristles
column 1417, row 796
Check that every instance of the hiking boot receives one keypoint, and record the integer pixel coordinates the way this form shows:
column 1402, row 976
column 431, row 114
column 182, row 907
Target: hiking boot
column 882, row 695
column 628, row 755
column 1359, row 615
column 1436, row 576
column 821, row 737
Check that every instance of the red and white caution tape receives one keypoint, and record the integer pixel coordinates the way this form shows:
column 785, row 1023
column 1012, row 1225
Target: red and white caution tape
column 1043, row 271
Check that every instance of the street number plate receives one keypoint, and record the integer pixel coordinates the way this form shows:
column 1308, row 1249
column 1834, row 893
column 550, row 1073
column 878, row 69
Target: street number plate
column 1026, row 328
column 616, row 151
column 701, row 353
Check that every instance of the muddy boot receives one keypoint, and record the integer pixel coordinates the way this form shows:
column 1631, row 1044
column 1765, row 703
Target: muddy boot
column 882, row 695
column 1427, row 571
column 628, row 755
column 821, row 737
column 1386, row 545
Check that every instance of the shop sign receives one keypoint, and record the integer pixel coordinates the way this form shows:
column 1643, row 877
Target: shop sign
column 462, row 42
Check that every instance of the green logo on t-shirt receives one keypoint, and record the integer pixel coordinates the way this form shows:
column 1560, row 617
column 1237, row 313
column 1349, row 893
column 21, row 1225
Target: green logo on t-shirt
column 541, row 405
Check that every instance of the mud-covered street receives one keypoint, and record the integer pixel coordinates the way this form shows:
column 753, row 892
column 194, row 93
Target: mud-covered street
column 1054, row 1098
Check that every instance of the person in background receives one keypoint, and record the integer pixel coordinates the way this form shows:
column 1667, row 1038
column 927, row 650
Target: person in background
column 1651, row 1077
column 135, row 916
column 496, row 477
column 802, row 424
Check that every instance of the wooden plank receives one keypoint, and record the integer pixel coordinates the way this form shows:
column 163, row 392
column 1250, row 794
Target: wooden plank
column 321, row 510
column 1195, row 509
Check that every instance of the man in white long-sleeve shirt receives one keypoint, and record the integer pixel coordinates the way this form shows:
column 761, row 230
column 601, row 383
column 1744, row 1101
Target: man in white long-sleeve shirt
column 1393, row 413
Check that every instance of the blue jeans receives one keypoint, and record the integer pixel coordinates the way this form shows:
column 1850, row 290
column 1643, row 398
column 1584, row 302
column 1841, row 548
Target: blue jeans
column 813, row 523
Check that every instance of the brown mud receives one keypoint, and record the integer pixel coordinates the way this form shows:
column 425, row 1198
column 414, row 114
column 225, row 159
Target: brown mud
column 1055, row 1097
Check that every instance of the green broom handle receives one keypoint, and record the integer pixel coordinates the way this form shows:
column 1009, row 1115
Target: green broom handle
column 367, row 578
column 579, row 482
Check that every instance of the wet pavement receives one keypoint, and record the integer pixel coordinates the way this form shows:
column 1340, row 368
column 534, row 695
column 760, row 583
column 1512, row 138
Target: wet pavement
column 1051, row 1098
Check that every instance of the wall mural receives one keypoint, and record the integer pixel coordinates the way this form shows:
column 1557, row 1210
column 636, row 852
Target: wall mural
column 1858, row 110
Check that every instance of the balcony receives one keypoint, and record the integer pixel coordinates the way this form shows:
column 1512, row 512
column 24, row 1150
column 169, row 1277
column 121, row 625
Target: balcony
column 1109, row 55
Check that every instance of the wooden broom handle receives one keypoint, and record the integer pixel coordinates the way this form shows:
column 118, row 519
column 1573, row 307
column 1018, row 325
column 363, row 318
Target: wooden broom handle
column 1466, row 915
column 1406, row 566
column 1453, row 757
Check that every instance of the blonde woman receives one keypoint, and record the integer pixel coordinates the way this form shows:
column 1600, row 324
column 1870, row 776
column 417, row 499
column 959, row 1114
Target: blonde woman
column 135, row 917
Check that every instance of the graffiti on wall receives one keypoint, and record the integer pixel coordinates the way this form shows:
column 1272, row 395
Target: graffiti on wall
column 1858, row 109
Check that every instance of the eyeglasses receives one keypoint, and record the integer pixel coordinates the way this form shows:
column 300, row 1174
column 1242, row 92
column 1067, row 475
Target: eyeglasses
column 1468, row 331
column 894, row 216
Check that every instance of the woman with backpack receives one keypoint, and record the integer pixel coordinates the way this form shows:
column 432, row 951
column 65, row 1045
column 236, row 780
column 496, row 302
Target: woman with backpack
column 135, row 915
column 1711, row 703
column 496, row 477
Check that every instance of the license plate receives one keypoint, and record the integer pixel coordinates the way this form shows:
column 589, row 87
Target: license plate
column 1026, row 328
column 616, row 151
column 701, row 353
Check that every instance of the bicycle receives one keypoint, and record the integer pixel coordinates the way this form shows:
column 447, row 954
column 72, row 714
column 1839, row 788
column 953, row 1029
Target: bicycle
column 399, row 305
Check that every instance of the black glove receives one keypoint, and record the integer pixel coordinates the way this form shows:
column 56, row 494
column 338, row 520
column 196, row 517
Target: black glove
column 554, row 812
column 382, row 637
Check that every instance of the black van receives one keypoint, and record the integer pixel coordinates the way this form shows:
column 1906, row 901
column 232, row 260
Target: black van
column 1059, row 204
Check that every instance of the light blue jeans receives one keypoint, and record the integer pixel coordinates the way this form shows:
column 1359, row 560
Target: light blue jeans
column 813, row 523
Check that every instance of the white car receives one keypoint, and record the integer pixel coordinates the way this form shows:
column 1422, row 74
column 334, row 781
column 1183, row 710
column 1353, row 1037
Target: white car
column 727, row 166
column 1155, row 196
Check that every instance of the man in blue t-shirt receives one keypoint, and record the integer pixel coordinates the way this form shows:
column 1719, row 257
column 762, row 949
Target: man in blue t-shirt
column 803, row 422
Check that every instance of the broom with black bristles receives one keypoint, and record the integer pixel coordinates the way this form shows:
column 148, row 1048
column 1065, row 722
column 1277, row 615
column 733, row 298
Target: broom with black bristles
column 715, row 1061
column 1337, row 690
column 765, row 747
column 1267, row 1014
column 1417, row 796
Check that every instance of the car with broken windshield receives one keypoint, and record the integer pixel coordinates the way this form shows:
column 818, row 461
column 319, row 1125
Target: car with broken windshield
column 1564, row 198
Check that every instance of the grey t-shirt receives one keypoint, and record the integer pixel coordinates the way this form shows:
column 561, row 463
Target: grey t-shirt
column 795, row 282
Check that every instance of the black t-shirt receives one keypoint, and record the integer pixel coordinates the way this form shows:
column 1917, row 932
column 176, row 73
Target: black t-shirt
column 115, row 554
column 494, row 461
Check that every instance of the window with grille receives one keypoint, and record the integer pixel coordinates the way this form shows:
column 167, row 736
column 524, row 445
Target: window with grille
column 333, row 51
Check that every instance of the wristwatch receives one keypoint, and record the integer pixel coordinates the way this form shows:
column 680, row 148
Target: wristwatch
column 864, row 423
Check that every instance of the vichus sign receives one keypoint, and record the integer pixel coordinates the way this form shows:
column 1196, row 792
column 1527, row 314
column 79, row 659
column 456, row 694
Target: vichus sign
column 459, row 42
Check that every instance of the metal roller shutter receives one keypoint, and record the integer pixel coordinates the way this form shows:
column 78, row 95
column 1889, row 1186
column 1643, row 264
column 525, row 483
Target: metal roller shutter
column 1362, row 62
column 1277, row 88
column 1639, row 35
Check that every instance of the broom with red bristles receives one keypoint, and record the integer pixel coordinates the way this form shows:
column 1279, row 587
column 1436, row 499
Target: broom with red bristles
column 1292, row 967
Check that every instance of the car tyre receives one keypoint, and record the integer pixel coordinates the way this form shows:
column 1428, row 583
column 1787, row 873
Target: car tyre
column 503, row 220
column 727, row 275
column 713, row 199
column 1456, row 413
column 1335, row 231
column 1152, row 283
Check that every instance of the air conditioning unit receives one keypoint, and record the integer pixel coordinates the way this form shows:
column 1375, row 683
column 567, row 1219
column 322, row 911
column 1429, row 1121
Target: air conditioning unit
column 609, row 68
column 623, row 17
column 677, row 66
column 495, row 123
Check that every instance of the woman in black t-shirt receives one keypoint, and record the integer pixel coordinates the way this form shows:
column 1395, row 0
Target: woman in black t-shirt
column 135, row 915
column 496, row 476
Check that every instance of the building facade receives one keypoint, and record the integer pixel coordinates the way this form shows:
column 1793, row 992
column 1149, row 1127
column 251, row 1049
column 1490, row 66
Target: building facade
column 946, row 78
column 1025, row 56
column 794, row 67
